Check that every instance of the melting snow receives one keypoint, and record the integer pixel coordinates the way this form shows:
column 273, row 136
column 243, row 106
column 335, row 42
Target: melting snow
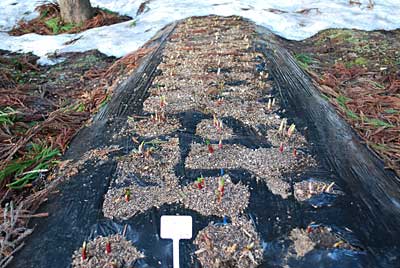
column 120, row 39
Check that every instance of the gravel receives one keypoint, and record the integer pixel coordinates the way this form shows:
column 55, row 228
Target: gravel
column 116, row 206
column 318, row 237
column 212, row 131
column 235, row 244
column 267, row 164
column 307, row 189
column 206, row 200
column 149, row 127
column 122, row 254
column 156, row 168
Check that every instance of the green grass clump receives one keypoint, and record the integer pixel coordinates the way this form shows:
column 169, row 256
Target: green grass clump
column 7, row 116
column 360, row 61
column 304, row 60
column 28, row 168
column 53, row 24
column 56, row 25
column 342, row 101
column 377, row 122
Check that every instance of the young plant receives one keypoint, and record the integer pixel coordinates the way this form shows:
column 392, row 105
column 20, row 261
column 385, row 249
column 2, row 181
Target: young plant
column 84, row 251
column 162, row 101
column 221, row 189
column 219, row 125
column 310, row 189
column 220, row 144
column 141, row 148
column 291, row 130
column 282, row 126
column 220, row 101
column 163, row 117
column 281, row 147
column 127, row 194
column 294, row 152
column 215, row 120
column 209, row 146
column 269, row 105
column 329, row 188
column 200, row 182
column 108, row 247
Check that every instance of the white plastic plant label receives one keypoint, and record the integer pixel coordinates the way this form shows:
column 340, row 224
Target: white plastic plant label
column 176, row 227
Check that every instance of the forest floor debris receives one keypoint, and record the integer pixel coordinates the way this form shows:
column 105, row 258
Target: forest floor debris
column 358, row 72
column 49, row 21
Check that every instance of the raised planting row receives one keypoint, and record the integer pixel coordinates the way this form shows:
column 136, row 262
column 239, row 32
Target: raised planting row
column 210, row 136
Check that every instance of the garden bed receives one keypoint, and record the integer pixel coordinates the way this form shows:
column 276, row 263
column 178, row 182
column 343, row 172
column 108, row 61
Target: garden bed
column 241, row 183
column 113, row 251
column 235, row 244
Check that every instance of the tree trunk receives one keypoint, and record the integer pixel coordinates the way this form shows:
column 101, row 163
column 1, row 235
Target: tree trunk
column 75, row 11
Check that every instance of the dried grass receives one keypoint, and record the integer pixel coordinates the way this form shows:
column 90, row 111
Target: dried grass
column 374, row 111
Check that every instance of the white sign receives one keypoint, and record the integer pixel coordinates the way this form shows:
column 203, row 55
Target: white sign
column 176, row 227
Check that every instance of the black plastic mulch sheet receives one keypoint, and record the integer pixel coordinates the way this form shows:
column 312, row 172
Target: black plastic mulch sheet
column 75, row 212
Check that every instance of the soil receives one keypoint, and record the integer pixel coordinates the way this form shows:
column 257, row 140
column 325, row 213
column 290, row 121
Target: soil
column 122, row 253
column 236, row 157
column 214, row 130
column 317, row 236
column 307, row 189
column 235, row 244
column 359, row 73
column 152, row 127
column 207, row 199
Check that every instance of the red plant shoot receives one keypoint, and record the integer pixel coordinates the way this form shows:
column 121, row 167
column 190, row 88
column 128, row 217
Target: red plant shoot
column 127, row 195
column 281, row 147
column 210, row 148
column 200, row 182
column 294, row 152
column 219, row 125
column 220, row 144
column 221, row 189
column 162, row 101
column 84, row 253
column 108, row 247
